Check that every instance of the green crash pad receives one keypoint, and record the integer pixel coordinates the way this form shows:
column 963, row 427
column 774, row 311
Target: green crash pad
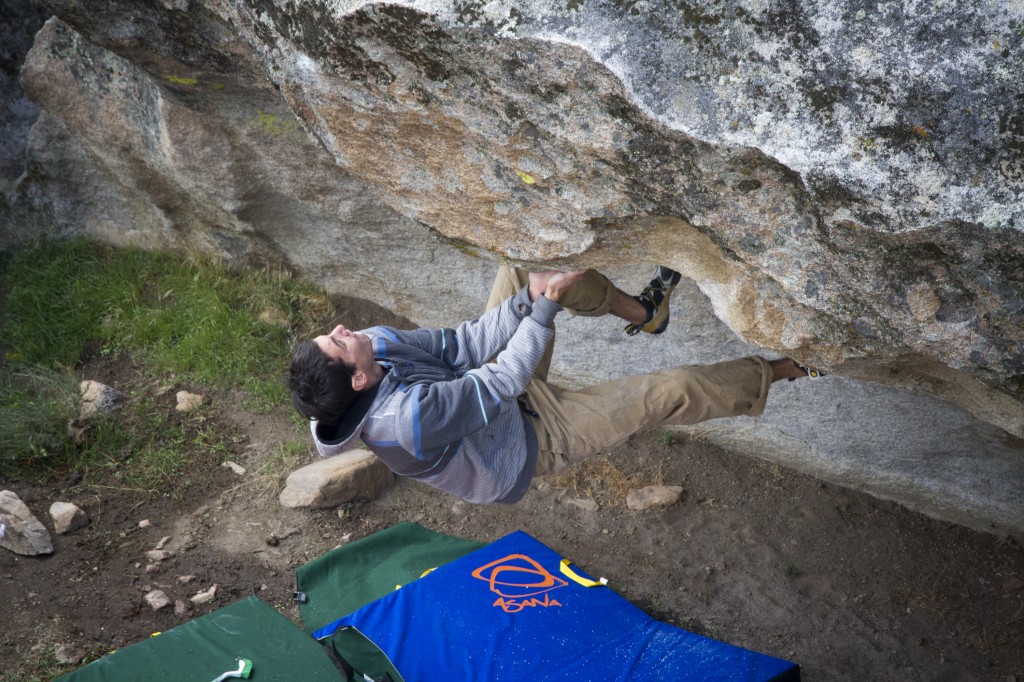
column 202, row 649
column 350, row 577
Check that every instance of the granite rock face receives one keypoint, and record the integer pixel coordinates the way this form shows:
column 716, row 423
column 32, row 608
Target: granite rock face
column 842, row 183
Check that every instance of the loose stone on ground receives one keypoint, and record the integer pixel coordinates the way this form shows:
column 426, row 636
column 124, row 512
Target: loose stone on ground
column 67, row 517
column 653, row 497
column 157, row 599
column 329, row 482
column 24, row 533
column 188, row 401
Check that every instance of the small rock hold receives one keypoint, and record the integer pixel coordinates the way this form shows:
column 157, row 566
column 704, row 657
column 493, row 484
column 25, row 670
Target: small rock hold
column 205, row 597
column 180, row 607
column 163, row 542
column 273, row 540
column 186, row 579
column 188, row 401
column 144, row 523
column 158, row 554
column 152, row 568
column 460, row 508
column 157, row 599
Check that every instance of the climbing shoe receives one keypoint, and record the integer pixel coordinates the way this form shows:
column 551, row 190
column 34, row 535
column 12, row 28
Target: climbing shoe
column 812, row 373
column 654, row 298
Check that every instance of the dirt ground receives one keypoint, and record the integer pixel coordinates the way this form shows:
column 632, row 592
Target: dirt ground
column 848, row 586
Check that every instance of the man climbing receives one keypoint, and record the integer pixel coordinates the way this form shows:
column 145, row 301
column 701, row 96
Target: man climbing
column 469, row 410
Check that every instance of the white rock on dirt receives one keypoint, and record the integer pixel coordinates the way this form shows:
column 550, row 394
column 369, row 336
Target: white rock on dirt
column 653, row 497
column 163, row 542
column 188, row 401
column 157, row 599
column 25, row 534
column 158, row 554
column 205, row 597
column 582, row 503
column 145, row 523
column 234, row 466
column 356, row 474
column 100, row 399
column 67, row 517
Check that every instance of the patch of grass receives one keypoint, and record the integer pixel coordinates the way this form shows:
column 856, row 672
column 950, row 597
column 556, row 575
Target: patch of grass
column 37, row 665
column 192, row 319
column 281, row 462
column 149, row 447
column 791, row 570
column 36, row 404
column 263, row 394
column 667, row 437
column 179, row 321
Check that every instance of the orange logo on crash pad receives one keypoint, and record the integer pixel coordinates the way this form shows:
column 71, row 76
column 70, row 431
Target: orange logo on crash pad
column 519, row 581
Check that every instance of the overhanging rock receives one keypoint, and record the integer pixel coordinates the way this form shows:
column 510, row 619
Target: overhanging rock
column 842, row 184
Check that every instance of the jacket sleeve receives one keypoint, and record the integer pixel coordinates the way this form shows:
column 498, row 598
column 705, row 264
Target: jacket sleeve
column 434, row 416
column 475, row 342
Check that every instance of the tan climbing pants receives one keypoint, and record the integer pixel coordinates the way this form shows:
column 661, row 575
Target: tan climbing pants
column 574, row 425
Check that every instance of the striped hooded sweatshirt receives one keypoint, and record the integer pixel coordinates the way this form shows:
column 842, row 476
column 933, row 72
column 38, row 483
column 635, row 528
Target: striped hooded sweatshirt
column 443, row 414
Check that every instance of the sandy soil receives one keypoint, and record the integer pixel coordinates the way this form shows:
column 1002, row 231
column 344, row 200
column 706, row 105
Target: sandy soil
column 849, row 587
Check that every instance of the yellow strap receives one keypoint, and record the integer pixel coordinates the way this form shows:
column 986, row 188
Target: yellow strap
column 586, row 582
column 398, row 587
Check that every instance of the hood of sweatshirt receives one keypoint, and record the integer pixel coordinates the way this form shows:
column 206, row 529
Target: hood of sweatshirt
column 406, row 366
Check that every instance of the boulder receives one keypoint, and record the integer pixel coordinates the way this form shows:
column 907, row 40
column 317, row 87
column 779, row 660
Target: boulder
column 838, row 182
column 352, row 475
column 67, row 517
column 24, row 533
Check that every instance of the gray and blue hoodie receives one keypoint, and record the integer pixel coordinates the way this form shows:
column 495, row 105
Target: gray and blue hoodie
column 443, row 413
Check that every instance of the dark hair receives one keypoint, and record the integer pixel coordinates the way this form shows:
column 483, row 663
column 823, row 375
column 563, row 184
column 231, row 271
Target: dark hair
column 321, row 387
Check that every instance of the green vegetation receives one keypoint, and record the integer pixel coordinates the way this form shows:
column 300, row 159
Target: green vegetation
column 37, row 665
column 36, row 404
column 667, row 437
column 173, row 322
